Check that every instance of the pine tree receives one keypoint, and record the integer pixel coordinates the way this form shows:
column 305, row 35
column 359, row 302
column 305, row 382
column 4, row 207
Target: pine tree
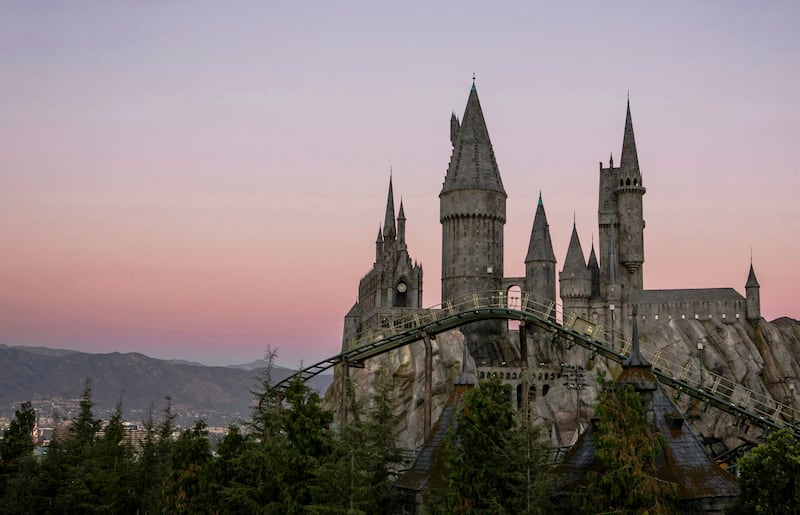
column 184, row 486
column 493, row 464
column 18, row 467
column 627, row 446
column 355, row 478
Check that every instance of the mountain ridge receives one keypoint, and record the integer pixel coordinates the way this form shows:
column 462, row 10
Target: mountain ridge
column 53, row 378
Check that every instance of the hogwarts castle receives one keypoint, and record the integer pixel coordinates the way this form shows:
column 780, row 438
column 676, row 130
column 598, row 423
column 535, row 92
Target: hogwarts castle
column 473, row 214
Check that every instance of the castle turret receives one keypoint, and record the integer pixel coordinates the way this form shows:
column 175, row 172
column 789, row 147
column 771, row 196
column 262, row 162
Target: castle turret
column 594, row 270
column 401, row 226
column 629, row 192
column 389, row 231
column 379, row 246
column 753, row 297
column 575, row 279
column 472, row 210
column 394, row 284
column 540, row 262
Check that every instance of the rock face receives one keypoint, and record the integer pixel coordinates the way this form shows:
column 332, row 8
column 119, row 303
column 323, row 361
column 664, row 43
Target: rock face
column 404, row 369
column 765, row 359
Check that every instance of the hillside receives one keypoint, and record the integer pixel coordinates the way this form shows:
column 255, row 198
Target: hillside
column 53, row 379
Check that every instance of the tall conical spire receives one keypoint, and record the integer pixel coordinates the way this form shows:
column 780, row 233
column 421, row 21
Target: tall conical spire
column 389, row 231
column 401, row 225
column 752, row 282
column 574, row 263
column 594, row 271
column 540, row 247
column 629, row 159
column 635, row 359
column 473, row 165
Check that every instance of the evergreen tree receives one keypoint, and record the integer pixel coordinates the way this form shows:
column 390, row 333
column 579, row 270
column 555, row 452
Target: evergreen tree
column 627, row 446
column 113, row 482
column 289, row 438
column 355, row 478
column 493, row 464
column 184, row 486
column 151, row 467
column 18, row 467
column 769, row 477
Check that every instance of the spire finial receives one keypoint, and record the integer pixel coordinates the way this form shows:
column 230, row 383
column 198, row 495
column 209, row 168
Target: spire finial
column 629, row 94
column 540, row 197
column 574, row 219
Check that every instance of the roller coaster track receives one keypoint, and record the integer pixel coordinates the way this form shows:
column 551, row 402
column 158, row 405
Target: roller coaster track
column 682, row 374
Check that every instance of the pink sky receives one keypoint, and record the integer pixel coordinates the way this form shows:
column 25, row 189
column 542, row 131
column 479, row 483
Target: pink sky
column 195, row 181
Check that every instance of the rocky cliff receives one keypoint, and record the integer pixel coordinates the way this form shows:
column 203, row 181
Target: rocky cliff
column 765, row 359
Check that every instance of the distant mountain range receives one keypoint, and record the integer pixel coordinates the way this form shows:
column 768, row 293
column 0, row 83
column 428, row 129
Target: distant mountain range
column 53, row 380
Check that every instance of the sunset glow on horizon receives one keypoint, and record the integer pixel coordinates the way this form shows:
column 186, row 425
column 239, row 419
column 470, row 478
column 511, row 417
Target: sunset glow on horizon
column 194, row 181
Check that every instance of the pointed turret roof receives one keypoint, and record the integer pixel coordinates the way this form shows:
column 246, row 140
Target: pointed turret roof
column 473, row 165
column 629, row 159
column 380, row 235
column 635, row 359
column 592, row 263
column 752, row 282
column 540, row 248
column 401, row 215
column 574, row 263
column 389, row 230
column 594, row 271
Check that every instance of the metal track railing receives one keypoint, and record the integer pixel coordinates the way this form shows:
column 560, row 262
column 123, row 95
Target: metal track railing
column 672, row 369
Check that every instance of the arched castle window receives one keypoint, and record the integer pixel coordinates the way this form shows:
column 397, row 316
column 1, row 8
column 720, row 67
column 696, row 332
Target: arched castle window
column 628, row 182
column 514, row 301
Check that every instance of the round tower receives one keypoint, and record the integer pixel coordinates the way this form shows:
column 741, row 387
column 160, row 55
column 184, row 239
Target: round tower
column 540, row 262
column 629, row 192
column 752, row 297
column 575, row 279
column 472, row 209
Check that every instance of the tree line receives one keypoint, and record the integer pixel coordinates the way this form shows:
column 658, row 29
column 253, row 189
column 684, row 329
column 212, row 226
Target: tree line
column 290, row 457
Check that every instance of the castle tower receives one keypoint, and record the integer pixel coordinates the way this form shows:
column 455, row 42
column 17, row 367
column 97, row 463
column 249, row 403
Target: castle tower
column 629, row 193
column 752, row 297
column 620, row 199
column 394, row 284
column 540, row 262
column 472, row 209
column 575, row 279
column 613, row 284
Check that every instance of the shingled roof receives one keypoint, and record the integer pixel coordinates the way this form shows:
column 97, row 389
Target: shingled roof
column 703, row 487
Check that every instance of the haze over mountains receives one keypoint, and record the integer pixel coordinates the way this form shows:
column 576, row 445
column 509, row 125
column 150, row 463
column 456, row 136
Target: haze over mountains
column 53, row 379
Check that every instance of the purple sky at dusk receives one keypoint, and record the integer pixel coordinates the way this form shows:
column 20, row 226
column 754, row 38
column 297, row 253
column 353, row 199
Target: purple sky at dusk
column 199, row 180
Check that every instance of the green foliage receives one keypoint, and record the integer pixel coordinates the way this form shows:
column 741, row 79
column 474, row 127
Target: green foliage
column 493, row 464
column 627, row 446
column 355, row 478
column 769, row 477
column 16, row 448
column 290, row 461
column 184, row 485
